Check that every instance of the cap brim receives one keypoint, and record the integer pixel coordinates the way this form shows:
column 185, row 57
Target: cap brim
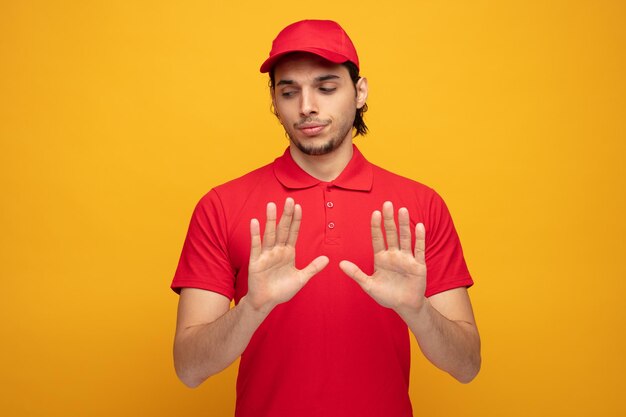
column 327, row 55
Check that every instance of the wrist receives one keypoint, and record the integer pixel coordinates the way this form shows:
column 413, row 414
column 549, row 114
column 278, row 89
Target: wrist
column 415, row 311
column 261, row 310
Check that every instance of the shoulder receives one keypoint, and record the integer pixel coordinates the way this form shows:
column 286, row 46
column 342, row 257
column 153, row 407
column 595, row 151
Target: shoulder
column 418, row 197
column 247, row 181
column 238, row 188
column 386, row 178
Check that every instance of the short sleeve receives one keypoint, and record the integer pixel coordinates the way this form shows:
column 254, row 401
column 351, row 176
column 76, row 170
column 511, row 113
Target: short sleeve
column 204, row 262
column 445, row 263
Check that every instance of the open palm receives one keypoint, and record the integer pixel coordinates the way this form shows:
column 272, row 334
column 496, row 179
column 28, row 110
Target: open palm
column 272, row 275
column 399, row 278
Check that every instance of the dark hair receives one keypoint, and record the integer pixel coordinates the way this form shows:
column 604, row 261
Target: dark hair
column 359, row 123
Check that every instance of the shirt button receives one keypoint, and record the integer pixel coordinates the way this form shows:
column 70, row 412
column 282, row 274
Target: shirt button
column 331, row 225
column 329, row 204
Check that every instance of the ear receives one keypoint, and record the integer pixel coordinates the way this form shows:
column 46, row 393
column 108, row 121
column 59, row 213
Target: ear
column 361, row 92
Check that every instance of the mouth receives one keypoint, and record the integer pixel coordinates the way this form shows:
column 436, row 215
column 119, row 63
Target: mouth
column 311, row 129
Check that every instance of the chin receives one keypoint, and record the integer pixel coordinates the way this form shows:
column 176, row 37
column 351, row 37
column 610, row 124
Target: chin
column 314, row 149
column 322, row 145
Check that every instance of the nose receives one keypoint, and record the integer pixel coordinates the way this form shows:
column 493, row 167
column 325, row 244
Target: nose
column 308, row 104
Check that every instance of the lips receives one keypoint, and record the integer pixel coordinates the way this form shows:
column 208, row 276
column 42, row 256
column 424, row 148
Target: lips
column 312, row 127
column 311, row 130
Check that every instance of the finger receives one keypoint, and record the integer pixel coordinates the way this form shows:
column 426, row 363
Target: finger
column 378, row 243
column 282, row 233
column 314, row 267
column 255, row 238
column 269, row 236
column 295, row 225
column 355, row 273
column 391, row 233
column 420, row 243
column 405, row 230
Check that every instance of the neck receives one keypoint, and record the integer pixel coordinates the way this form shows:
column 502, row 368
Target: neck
column 324, row 167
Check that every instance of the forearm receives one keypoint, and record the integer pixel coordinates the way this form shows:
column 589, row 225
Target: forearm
column 203, row 350
column 453, row 346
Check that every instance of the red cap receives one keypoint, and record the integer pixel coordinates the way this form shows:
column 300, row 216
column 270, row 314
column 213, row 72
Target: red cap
column 320, row 37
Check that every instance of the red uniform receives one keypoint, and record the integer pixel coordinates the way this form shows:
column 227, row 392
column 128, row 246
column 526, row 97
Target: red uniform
column 331, row 350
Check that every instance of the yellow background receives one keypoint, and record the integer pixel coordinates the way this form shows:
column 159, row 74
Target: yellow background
column 116, row 116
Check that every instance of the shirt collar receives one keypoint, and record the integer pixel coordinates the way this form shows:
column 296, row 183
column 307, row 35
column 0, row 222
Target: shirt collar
column 357, row 175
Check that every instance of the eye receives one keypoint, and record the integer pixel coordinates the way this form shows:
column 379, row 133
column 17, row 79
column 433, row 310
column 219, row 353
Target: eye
column 328, row 89
column 288, row 93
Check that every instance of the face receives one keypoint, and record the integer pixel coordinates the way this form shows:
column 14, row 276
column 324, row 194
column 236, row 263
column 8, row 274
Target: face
column 316, row 102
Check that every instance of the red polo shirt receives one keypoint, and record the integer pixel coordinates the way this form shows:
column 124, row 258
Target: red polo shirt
column 331, row 350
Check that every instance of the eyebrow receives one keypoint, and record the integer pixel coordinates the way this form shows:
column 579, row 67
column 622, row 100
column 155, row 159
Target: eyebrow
column 319, row 79
column 326, row 77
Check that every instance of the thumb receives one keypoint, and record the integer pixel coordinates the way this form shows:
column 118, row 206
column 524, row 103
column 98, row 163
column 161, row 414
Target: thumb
column 314, row 267
column 354, row 272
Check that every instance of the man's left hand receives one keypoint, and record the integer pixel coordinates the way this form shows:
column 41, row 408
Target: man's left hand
column 399, row 278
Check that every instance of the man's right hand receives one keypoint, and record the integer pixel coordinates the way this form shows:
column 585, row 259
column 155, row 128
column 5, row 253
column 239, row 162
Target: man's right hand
column 272, row 275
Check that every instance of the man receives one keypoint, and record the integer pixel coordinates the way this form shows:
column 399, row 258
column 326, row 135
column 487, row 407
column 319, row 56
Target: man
column 325, row 291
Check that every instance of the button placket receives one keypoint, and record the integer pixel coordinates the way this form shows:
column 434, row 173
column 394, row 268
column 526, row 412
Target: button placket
column 331, row 229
